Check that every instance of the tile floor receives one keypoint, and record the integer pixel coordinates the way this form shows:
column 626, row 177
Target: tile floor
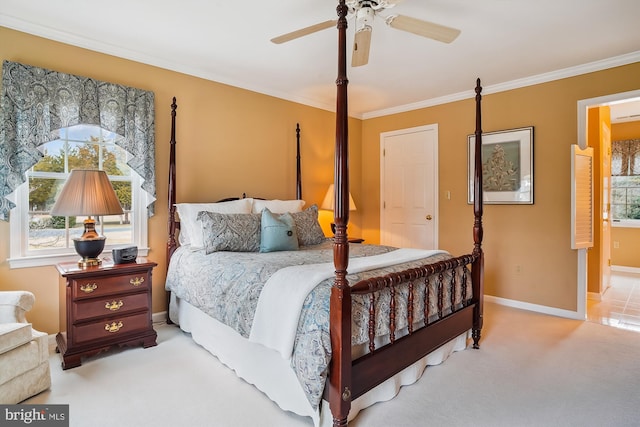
column 620, row 305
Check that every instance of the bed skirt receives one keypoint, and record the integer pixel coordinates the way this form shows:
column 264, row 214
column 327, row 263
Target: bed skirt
column 279, row 381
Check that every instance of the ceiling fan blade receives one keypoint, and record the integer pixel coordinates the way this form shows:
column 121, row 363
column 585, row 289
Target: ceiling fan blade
column 423, row 28
column 361, row 47
column 304, row 31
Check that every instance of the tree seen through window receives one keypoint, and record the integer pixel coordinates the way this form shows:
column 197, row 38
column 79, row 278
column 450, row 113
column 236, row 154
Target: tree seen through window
column 78, row 147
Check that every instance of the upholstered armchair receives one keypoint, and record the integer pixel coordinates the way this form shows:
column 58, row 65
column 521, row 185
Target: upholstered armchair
column 24, row 352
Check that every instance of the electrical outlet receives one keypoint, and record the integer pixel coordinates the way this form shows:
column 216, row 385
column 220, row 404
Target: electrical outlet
column 518, row 269
column 616, row 244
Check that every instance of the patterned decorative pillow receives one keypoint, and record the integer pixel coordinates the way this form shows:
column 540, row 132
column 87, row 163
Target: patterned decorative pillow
column 230, row 232
column 278, row 232
column 308, row 227
column 191, row 229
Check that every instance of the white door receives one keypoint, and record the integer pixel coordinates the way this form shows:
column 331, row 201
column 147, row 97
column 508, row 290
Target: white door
column 409, row 187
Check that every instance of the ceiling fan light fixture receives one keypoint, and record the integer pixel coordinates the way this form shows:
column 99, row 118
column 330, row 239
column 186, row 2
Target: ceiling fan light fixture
column 364, row 19
column 364, row 13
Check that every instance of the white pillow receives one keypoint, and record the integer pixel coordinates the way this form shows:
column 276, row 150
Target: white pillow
column 191, row 228
column 278, row 206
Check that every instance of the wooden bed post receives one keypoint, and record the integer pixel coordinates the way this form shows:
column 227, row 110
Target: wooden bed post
column 172, row 244
column 298, row 172
column 340, row 371
column 477, row 268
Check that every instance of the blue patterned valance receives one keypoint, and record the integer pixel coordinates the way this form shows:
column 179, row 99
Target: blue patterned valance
column 36, row 102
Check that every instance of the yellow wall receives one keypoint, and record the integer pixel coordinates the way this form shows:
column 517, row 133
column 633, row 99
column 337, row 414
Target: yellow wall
column 229, row 140
column 232, row 141
column 534, row 237
column 628, row 250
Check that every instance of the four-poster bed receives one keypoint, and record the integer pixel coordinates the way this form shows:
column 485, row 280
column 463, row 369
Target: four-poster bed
column 365, row 323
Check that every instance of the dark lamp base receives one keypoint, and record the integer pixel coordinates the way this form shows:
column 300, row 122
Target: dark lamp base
column 89, row 262
column 89, row 250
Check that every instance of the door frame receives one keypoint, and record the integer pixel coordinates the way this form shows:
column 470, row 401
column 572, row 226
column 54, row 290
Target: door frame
column 583, row 107
column 383, row 135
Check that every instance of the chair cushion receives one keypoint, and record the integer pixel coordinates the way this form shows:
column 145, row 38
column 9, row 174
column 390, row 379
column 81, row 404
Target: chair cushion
column 13, row 335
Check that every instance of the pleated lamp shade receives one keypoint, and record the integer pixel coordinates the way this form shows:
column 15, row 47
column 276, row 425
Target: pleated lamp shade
column 329, row 200
column 87, row 192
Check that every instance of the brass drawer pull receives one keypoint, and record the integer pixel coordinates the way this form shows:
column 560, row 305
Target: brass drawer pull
column 113, row 327
column 137, row 281
column 113, row 305
column 88, row 288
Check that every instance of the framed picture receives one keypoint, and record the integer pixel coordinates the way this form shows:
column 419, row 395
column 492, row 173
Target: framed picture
column 507, row 166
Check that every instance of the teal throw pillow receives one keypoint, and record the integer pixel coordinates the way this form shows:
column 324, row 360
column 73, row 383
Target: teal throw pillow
column 278, row 232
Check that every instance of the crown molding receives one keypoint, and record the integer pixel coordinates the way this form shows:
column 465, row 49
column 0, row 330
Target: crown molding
column 590, row 67
column 133, row 55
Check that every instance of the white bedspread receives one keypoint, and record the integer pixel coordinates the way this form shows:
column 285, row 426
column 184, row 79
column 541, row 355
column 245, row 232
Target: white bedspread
column 284, row 293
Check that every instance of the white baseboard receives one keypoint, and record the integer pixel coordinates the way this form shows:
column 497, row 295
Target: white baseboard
column 594, row 296
column 553, row 310
column 534, row 307
column 624, row 269
column 160, row 317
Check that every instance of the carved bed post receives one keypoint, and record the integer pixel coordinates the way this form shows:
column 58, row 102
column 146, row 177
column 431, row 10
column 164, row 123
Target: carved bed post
column 172, row 244
column 298, row 172
column 477, row 268
column 340, row 373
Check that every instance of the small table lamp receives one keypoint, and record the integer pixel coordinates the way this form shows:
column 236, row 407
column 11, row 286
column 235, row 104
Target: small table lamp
column 329, row 203
column 88, row 192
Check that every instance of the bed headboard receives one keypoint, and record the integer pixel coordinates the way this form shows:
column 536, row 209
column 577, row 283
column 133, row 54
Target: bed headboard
column 173, row 222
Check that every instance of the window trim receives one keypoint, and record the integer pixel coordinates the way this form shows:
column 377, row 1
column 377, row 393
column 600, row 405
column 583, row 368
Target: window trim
column 625, row 223
column 622, row 222
column 19, row 242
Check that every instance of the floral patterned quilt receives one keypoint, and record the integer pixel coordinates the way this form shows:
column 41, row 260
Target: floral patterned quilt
column 227, row 286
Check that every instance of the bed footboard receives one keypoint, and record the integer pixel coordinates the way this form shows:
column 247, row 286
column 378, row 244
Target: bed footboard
column 439, row 308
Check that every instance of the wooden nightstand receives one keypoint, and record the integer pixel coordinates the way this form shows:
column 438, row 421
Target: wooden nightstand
column 105, row 306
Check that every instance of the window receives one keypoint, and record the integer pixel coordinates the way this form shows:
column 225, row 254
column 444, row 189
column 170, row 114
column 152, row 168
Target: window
column 44, row 238
column 625, row 197
column 51, row 123
column 625, row 182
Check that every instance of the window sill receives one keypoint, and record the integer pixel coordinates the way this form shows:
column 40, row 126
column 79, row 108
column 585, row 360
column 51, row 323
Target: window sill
column 44, row 260
column 626, row 224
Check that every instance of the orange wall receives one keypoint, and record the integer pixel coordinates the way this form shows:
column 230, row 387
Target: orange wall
column 628, row 239
column 527, row 247
column 232, row 141
column 229, row 141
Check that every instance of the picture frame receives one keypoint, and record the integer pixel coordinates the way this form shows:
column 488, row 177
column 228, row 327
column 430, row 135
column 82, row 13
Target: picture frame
column 507, row 159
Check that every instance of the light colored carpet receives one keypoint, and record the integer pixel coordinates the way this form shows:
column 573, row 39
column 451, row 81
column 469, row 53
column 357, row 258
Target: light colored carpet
column 531, row 370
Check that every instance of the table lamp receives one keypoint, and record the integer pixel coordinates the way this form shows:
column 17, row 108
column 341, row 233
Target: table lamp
column 88, row 192
column 329, row 203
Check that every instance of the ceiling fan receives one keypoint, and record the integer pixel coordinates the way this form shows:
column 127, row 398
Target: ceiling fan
column 364, row 12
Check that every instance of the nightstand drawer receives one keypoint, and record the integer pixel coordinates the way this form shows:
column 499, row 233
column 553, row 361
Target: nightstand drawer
column 117, row 305
column 98, row 286
column 113, row 327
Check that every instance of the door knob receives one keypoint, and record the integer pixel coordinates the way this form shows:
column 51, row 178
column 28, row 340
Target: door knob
column 428, row 217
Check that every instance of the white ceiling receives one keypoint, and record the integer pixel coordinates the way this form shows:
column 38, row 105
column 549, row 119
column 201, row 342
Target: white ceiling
column 507, row 43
